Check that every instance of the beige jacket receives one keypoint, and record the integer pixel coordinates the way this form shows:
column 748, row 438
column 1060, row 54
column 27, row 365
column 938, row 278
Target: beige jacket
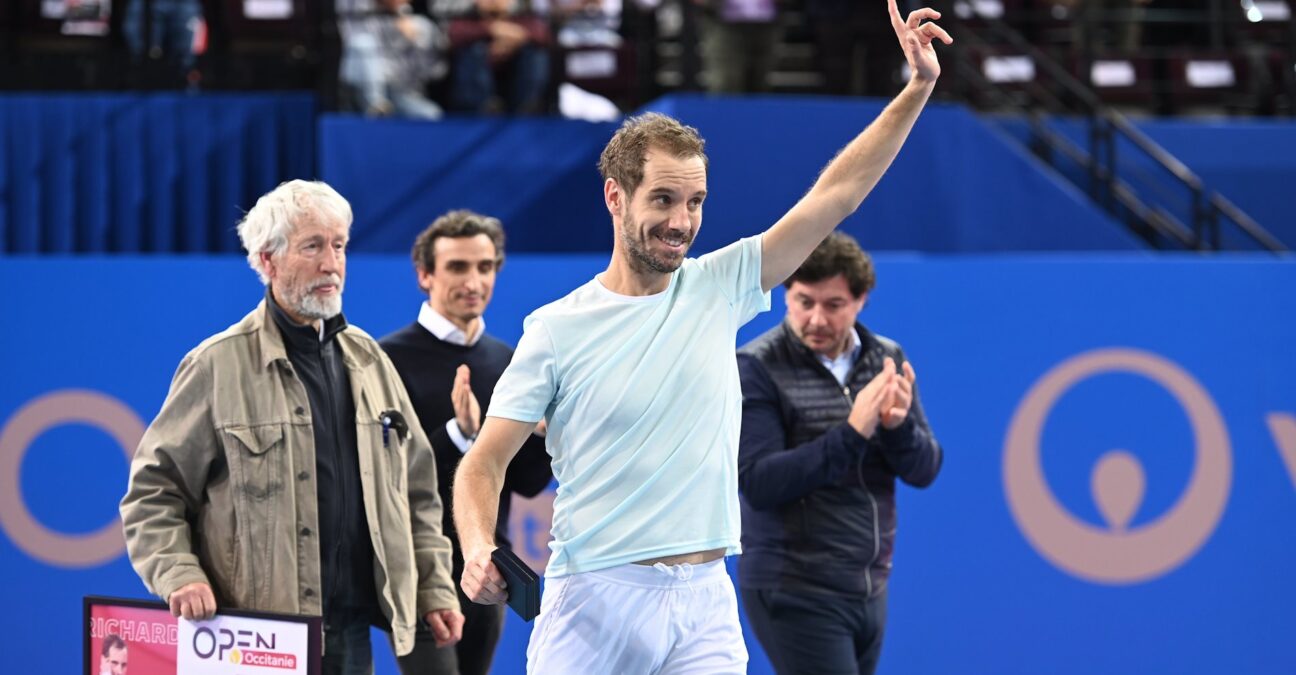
column 222, row 487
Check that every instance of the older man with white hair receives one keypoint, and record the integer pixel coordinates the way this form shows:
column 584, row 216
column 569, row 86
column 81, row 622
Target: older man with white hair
column 287, row 471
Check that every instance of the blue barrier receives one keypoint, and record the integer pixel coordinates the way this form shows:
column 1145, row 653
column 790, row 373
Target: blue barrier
column 173, row 173
column 957, row 185
column 1252, row 162
column 1174, row 554
column 123, row 173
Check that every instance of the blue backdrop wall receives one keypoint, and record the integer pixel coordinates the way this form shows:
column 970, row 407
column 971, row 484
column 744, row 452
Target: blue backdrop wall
column 958, row 184
column 1120, row 437
column 98, row 173
column 83, row 173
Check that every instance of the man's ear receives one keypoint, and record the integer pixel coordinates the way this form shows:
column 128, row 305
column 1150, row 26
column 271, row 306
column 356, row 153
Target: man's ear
column 267, row 264
column 860, row 303
column 424, row 279
column 614, row 197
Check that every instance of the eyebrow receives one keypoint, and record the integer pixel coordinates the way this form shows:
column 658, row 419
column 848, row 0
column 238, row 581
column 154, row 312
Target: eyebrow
column 671, row 191
column 803, row 296
column 320, row 237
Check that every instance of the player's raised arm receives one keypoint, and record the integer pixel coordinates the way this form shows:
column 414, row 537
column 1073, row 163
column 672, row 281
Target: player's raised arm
column 851, row 175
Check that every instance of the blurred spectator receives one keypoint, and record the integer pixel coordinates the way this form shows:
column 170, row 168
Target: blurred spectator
column 1185, row 23
column 584, row 23
column 176, row 32
column 501, row 59
column 389, row 56
column 1105, row 26
column 857, row 46
column 738, row 42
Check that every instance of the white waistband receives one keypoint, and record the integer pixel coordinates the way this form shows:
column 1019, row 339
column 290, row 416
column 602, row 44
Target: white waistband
column 662, row 575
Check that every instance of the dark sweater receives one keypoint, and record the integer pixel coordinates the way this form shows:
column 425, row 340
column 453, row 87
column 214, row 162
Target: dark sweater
column 346, row 552
column 818, row 499
column 427, row 367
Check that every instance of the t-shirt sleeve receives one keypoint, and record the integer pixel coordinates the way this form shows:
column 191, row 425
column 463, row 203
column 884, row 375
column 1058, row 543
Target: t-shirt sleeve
column 736, row 268
column 529, row 384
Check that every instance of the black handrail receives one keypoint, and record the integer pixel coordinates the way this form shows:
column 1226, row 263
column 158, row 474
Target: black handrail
column 1105, row 123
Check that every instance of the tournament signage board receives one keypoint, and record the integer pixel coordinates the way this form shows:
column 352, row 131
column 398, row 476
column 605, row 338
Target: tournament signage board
column 145, row 637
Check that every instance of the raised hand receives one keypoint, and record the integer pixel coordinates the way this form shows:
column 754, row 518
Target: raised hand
column 467, row 409
column 875, row 397
column 895, row 413
column 916, row 39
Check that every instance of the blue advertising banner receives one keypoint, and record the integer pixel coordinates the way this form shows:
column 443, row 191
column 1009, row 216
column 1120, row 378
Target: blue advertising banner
column 1120, row 437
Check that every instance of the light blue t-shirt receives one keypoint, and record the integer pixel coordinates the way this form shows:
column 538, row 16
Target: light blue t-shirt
column 643, row 405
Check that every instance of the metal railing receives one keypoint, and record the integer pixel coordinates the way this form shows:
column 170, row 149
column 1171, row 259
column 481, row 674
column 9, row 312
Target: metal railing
column 1053, row 91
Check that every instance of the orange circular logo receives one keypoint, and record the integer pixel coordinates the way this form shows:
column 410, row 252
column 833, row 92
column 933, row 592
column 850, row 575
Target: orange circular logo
column 38, row 416
column 1117, row 554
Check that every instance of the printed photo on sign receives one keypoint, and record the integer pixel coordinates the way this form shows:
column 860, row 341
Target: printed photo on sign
column 127, row 639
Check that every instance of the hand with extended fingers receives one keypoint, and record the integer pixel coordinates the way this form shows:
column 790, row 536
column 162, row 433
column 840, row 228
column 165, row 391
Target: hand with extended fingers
column 873, row 401
column 884, row 400
column 467, row 409
column 897, row 409
column 916, row 39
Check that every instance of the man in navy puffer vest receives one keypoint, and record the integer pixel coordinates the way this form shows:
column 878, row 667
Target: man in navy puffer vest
column 830, row 419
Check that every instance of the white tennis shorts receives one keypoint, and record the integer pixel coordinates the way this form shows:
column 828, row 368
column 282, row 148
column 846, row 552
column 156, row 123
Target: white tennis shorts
column 637, row 620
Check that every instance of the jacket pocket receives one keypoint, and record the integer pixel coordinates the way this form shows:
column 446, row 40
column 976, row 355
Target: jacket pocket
column 387, row 443
column 386, row 447
column 261, row 497
column 261, row 472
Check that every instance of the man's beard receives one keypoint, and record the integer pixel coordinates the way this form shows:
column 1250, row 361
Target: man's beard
column 642, row 259
column 311, row 306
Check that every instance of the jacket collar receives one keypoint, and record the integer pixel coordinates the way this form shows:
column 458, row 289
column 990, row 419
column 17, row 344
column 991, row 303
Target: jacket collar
column 299, row 337
column 802, row 351
column 270, row 341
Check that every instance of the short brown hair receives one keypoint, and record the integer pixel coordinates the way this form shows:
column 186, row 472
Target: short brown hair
column 112, row 641
column 837, row 254
column 456, row 224
column 623, row 158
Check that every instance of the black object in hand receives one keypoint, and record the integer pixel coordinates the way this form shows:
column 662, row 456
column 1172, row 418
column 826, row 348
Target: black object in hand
column 523, row 583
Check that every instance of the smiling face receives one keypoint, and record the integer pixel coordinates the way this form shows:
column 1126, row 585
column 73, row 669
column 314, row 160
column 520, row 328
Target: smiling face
column 460, row 285
column 307, row 277
column 656, row 225
column 823, row 313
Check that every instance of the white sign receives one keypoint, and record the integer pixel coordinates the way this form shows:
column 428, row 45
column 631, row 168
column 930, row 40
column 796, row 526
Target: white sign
column 235, row 645
column 1015, row 68
column 1210, row 74
column 1272, row 10
column 1112, row 74
column 591, row 64
column 268, row 10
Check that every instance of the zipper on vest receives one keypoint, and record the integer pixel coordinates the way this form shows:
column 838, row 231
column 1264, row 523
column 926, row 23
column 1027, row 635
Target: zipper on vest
column 877, row 543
